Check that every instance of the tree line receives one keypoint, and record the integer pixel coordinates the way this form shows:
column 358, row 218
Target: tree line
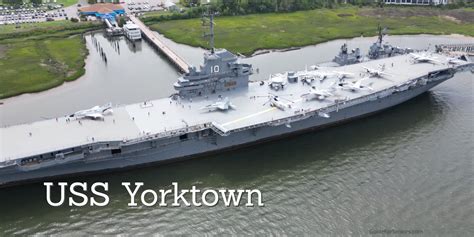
column 195, row 9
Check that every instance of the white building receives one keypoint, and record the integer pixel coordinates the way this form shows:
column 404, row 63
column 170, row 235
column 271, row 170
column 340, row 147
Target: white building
column 171, row 6
column 416, row 2
column 132, row 31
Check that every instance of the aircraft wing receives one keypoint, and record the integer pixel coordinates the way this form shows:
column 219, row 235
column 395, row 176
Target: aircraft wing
column 359, row 82
column 435, row 60
column 211, row 106
column 94, row 115
column 414, row 55
column 222, row 106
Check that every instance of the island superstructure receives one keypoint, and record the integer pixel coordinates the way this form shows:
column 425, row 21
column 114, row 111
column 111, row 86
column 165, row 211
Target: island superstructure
column 243, row 113
column 379, row 49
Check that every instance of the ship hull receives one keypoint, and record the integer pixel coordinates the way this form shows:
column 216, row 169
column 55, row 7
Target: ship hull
column 194, row 145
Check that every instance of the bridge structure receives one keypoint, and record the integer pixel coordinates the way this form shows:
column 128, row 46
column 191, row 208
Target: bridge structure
column 156, row 40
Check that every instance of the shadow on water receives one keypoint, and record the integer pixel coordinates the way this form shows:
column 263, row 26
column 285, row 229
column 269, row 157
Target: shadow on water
column 244, row 167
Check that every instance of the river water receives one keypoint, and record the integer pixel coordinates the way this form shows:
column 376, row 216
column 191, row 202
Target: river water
column 409, row 168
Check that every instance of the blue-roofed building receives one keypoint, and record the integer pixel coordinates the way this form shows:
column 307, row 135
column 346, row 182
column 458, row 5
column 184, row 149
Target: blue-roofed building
column 102, row 10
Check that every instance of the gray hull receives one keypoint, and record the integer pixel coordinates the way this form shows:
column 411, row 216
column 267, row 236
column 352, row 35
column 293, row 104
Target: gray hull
column 200, row 143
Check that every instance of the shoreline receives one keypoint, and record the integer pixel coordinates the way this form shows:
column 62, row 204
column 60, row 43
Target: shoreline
column 281, row 50
column 87, row 92
column 67, row 84
column 254, row 33
column 64, row 84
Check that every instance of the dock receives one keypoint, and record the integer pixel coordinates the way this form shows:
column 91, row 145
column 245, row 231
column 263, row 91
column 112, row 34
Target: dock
column 156, row 41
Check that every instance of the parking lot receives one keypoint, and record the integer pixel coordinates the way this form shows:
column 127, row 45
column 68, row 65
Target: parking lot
column 137, row 6
column 30, row 14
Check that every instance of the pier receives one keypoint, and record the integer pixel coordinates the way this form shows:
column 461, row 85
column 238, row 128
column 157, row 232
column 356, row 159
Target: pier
column 155, row 40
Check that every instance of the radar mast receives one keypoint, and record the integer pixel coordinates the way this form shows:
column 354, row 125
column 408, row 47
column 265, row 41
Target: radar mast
column 208, row 20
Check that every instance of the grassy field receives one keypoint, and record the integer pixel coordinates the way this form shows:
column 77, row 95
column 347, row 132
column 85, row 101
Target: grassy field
column 31, row 26
column 67, row 3
column 36, row 65
column 40, row 56
column 246, row 34
column 156, row 14
column 45, row 30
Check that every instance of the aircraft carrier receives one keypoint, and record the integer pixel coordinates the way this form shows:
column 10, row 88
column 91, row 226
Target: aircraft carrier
column 215, row 108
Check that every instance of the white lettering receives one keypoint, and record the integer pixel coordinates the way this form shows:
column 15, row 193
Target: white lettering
column 132, row 202
column 154, row 200
column 215, row 69
column 48, row 193
column 105, row 186
column 231, row 197
column 180, row 196
column 194, row 191
column 163, row 197
column 249, row 199
column 73, row 191
column 204, row 198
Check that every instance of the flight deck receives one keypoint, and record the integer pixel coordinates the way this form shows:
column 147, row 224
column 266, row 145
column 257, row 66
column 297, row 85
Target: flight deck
column 167, row 116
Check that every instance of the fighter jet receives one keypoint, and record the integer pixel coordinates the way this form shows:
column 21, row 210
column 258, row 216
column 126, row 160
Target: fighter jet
column 342, row 75
column 455, row 61
column 307, row 76
column 317, row 94
column 355, row 86
column 423, row 58
column 376, row 73
column 223, row 105
column 322, row 75
column 94, row 113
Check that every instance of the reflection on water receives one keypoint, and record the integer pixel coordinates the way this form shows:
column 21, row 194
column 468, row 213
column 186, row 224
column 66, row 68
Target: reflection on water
column 407, row 168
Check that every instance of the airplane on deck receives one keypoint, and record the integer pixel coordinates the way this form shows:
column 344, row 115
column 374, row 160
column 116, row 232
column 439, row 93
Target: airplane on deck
column 277, row 81
column 223, row 105
column 309, row 77
column 376, row 73
column 342, row 75
column 94, row 113
column 423, row 58
column 318, row 94
column 455, row 61
column 276, row 101
column 355, row 86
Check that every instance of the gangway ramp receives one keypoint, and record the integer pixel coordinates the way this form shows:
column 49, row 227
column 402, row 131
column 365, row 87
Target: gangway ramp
column 156, row 41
